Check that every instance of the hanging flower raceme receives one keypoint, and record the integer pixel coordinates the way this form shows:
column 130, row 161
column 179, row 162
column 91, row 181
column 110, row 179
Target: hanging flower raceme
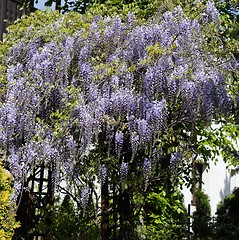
column 116, row 81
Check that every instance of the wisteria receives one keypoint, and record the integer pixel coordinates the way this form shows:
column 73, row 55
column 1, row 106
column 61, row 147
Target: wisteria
column 147, row 168
column 120, row 82
column 212, row 12
column 123, row 172
column 175, row 160
column 103, row 173
column 119, row 140
column 84, row 197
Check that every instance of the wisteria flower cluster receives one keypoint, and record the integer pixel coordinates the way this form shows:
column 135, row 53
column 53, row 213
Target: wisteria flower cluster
column 121, row 81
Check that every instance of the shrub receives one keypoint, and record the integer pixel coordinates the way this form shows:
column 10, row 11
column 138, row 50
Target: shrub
column 7, row 215
column 65, row 221
column 226, row 226
column 166, row 215
column 202, row 217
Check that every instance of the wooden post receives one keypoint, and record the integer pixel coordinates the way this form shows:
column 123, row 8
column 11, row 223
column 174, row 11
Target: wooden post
column 189, row 220
column 3, row 15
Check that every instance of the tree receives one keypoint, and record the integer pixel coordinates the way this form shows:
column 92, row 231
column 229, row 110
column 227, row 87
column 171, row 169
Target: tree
column 227, row 7
column 82, row 6
column 112, row 103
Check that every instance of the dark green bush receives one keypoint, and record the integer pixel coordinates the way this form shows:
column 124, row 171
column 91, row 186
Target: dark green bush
column 227, row 219
column 201, row 225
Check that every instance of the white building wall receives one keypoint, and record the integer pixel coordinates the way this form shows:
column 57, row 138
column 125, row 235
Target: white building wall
column 218, row 182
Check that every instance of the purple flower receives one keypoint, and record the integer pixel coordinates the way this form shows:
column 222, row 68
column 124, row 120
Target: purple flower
column 119, row 140
column 153, row 82
column 144, row 131
column 103, row 173
column 124, row 168
column 190, row 96
column 67, row 95
column 147, row 167
column 84, row 197
column 185, row 25
column 212, row 12
column 84, row 53
column 86, row 71
column 208, row 98
column 121, row 102
column 131, row 19
column 71, row 144
column 156, row 115
column 9, row 112
column 134, row 140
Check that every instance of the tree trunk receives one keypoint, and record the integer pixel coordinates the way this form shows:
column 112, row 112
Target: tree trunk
column 126, row 216
column 105, row 211
column 115, row 217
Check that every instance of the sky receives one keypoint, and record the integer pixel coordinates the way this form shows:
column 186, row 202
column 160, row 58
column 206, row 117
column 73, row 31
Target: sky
column 40, row 4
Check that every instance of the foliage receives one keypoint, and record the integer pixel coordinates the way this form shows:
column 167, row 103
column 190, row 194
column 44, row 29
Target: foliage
column 7, row 216
column 227, row 7
column 90, row 79
column 64, row 222
column 201, row 225
column 227, row 217
column 166, row 215
column 144, row 7
column 112, row 102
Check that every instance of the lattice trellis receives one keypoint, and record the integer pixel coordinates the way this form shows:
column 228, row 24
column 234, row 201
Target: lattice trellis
column 37, row 194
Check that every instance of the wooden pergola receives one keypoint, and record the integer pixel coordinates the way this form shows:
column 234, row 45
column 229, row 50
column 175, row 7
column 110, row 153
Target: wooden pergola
column 10, row 10
column 37, row 194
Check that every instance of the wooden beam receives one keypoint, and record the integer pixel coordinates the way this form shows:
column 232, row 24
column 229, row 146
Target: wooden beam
column 3, row 15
